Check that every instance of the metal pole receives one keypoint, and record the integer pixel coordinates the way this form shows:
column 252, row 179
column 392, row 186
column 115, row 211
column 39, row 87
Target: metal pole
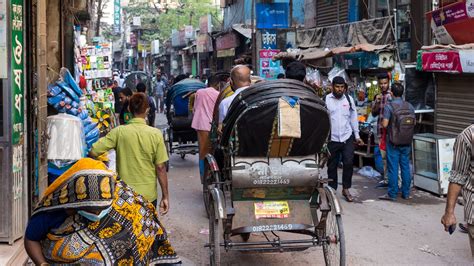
column 254, row 41
column 42, row 86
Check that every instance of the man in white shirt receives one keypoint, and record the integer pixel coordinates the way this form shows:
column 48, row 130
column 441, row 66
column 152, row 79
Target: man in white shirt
column 344, row 128
column 239, row 81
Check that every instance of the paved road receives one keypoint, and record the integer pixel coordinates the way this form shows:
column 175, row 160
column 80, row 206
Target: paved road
column 377, row 232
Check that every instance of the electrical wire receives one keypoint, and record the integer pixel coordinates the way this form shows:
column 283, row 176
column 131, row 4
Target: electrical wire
column 395, row 35
column 367, row 8
column 414, row 28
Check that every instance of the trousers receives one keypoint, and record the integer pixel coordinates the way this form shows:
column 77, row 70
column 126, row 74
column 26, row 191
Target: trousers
column 346, row 149
column 398, row 157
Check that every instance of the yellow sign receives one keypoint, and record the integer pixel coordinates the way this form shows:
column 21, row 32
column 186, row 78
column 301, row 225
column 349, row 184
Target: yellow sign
column 144, row 46
column 271, row 209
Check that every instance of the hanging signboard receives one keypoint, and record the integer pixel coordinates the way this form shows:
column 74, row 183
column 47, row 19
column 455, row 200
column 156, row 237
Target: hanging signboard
column 272, row 15
column 117, row 16
column 269, row 38
column 188, row 32
column 3, row 40
column 442, row 61
column 269, row 69
column 205, row 24
column 227, row 41
column 17, row 68
column 452, row 24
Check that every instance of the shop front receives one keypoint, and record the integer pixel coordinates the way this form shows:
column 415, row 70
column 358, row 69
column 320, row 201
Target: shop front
column 454, row 75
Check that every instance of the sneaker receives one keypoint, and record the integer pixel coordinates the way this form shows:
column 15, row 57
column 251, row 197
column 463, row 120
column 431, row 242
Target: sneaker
column 387, row 197
column 382, row 184
column 406, row 197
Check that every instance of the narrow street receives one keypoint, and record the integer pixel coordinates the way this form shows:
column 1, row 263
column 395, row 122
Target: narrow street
column 377, row 232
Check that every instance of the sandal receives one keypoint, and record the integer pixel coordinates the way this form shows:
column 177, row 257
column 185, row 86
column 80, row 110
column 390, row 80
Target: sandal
column 347, row 195
column 462, row 228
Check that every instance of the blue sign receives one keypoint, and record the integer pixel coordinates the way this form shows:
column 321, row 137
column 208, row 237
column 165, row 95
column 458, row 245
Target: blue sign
column 269, row 38
column 272, row 16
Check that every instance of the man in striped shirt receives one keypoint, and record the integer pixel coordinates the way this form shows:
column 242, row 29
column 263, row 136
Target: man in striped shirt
column 462, row 179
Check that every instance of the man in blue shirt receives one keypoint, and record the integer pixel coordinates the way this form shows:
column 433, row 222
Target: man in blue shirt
column 397, row 155
column 344, row 128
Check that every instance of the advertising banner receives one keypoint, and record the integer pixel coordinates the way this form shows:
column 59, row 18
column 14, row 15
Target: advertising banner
column 268, row 68
column 117, row 16
column 272, row 15
column 17, row 68
column 444, row 61
column 452, row 13
column 3, row 40
column 269, row 38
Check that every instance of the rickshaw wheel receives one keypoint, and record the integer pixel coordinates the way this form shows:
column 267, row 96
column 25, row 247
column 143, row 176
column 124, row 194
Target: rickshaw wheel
column 205, row 186
column 335, row 250
column 214, row 236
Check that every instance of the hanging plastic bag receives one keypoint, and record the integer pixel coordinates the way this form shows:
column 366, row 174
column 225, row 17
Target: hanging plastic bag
column 338, row 72
column 313, row 77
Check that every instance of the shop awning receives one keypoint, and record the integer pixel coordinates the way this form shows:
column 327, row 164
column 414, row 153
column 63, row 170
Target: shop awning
column 243, row 29
column 376, row 31
column 447, row 60
column 317, row 53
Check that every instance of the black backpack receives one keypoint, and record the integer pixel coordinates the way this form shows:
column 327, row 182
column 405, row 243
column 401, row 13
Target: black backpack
column 402, row 124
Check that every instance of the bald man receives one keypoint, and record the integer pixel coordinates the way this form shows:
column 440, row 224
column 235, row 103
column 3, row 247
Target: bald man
column 239, row 81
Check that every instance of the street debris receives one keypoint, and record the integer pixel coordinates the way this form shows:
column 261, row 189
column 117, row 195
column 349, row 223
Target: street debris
column 428, row 250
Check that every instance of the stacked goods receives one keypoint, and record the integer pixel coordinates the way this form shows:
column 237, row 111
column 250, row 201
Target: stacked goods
column 65, row 97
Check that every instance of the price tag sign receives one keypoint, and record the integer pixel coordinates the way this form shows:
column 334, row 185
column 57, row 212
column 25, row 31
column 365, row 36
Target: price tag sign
column 272, row 209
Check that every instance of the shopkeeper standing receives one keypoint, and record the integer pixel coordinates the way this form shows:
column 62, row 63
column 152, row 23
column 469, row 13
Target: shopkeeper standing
column 344, row 130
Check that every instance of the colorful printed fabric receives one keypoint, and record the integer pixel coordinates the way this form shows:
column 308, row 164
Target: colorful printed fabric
column 130, row 234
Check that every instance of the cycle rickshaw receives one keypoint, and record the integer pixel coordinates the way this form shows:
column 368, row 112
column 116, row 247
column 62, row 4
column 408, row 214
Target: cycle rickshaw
column 263, row 177
column 180, row 137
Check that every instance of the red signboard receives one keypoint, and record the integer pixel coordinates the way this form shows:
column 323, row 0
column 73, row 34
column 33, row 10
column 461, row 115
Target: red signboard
column 446, row 61
column 227, row 41
column 268, row 53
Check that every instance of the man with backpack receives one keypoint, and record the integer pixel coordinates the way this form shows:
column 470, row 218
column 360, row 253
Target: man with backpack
column 462, row 180
column 399, row 119
column 344, row 130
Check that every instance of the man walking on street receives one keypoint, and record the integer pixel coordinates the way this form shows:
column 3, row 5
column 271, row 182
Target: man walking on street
column 399, row 119
column 204, row 103
column 462, row 179
column 344, row 127
column 159, row 92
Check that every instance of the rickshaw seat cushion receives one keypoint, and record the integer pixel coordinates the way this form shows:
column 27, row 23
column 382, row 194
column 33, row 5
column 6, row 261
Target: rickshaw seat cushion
column 181, row 123
column 181, row 106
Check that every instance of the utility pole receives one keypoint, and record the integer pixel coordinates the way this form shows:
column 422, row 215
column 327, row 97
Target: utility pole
column 254, row 39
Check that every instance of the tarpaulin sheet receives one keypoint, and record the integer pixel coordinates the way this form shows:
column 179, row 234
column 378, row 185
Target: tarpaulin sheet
column 374, row 31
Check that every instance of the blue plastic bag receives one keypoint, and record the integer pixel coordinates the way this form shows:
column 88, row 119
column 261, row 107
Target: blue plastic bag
column 53, row 90
column 84, row 114
column 94, row 133
column 70, row 92
column 56, row 99
column 89, row 127
column 86, row 121
column 71, row 82
column 72, row 111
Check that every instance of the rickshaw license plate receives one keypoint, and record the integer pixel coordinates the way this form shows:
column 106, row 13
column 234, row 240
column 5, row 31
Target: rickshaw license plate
column 271, row 209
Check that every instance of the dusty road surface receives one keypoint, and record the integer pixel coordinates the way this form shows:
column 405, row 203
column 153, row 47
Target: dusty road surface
column 376, row 232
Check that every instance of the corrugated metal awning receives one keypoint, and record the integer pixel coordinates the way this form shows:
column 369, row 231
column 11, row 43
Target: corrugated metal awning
column 246, row 31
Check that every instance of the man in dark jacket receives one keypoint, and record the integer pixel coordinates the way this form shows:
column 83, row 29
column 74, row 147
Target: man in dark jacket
column 141, row 87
